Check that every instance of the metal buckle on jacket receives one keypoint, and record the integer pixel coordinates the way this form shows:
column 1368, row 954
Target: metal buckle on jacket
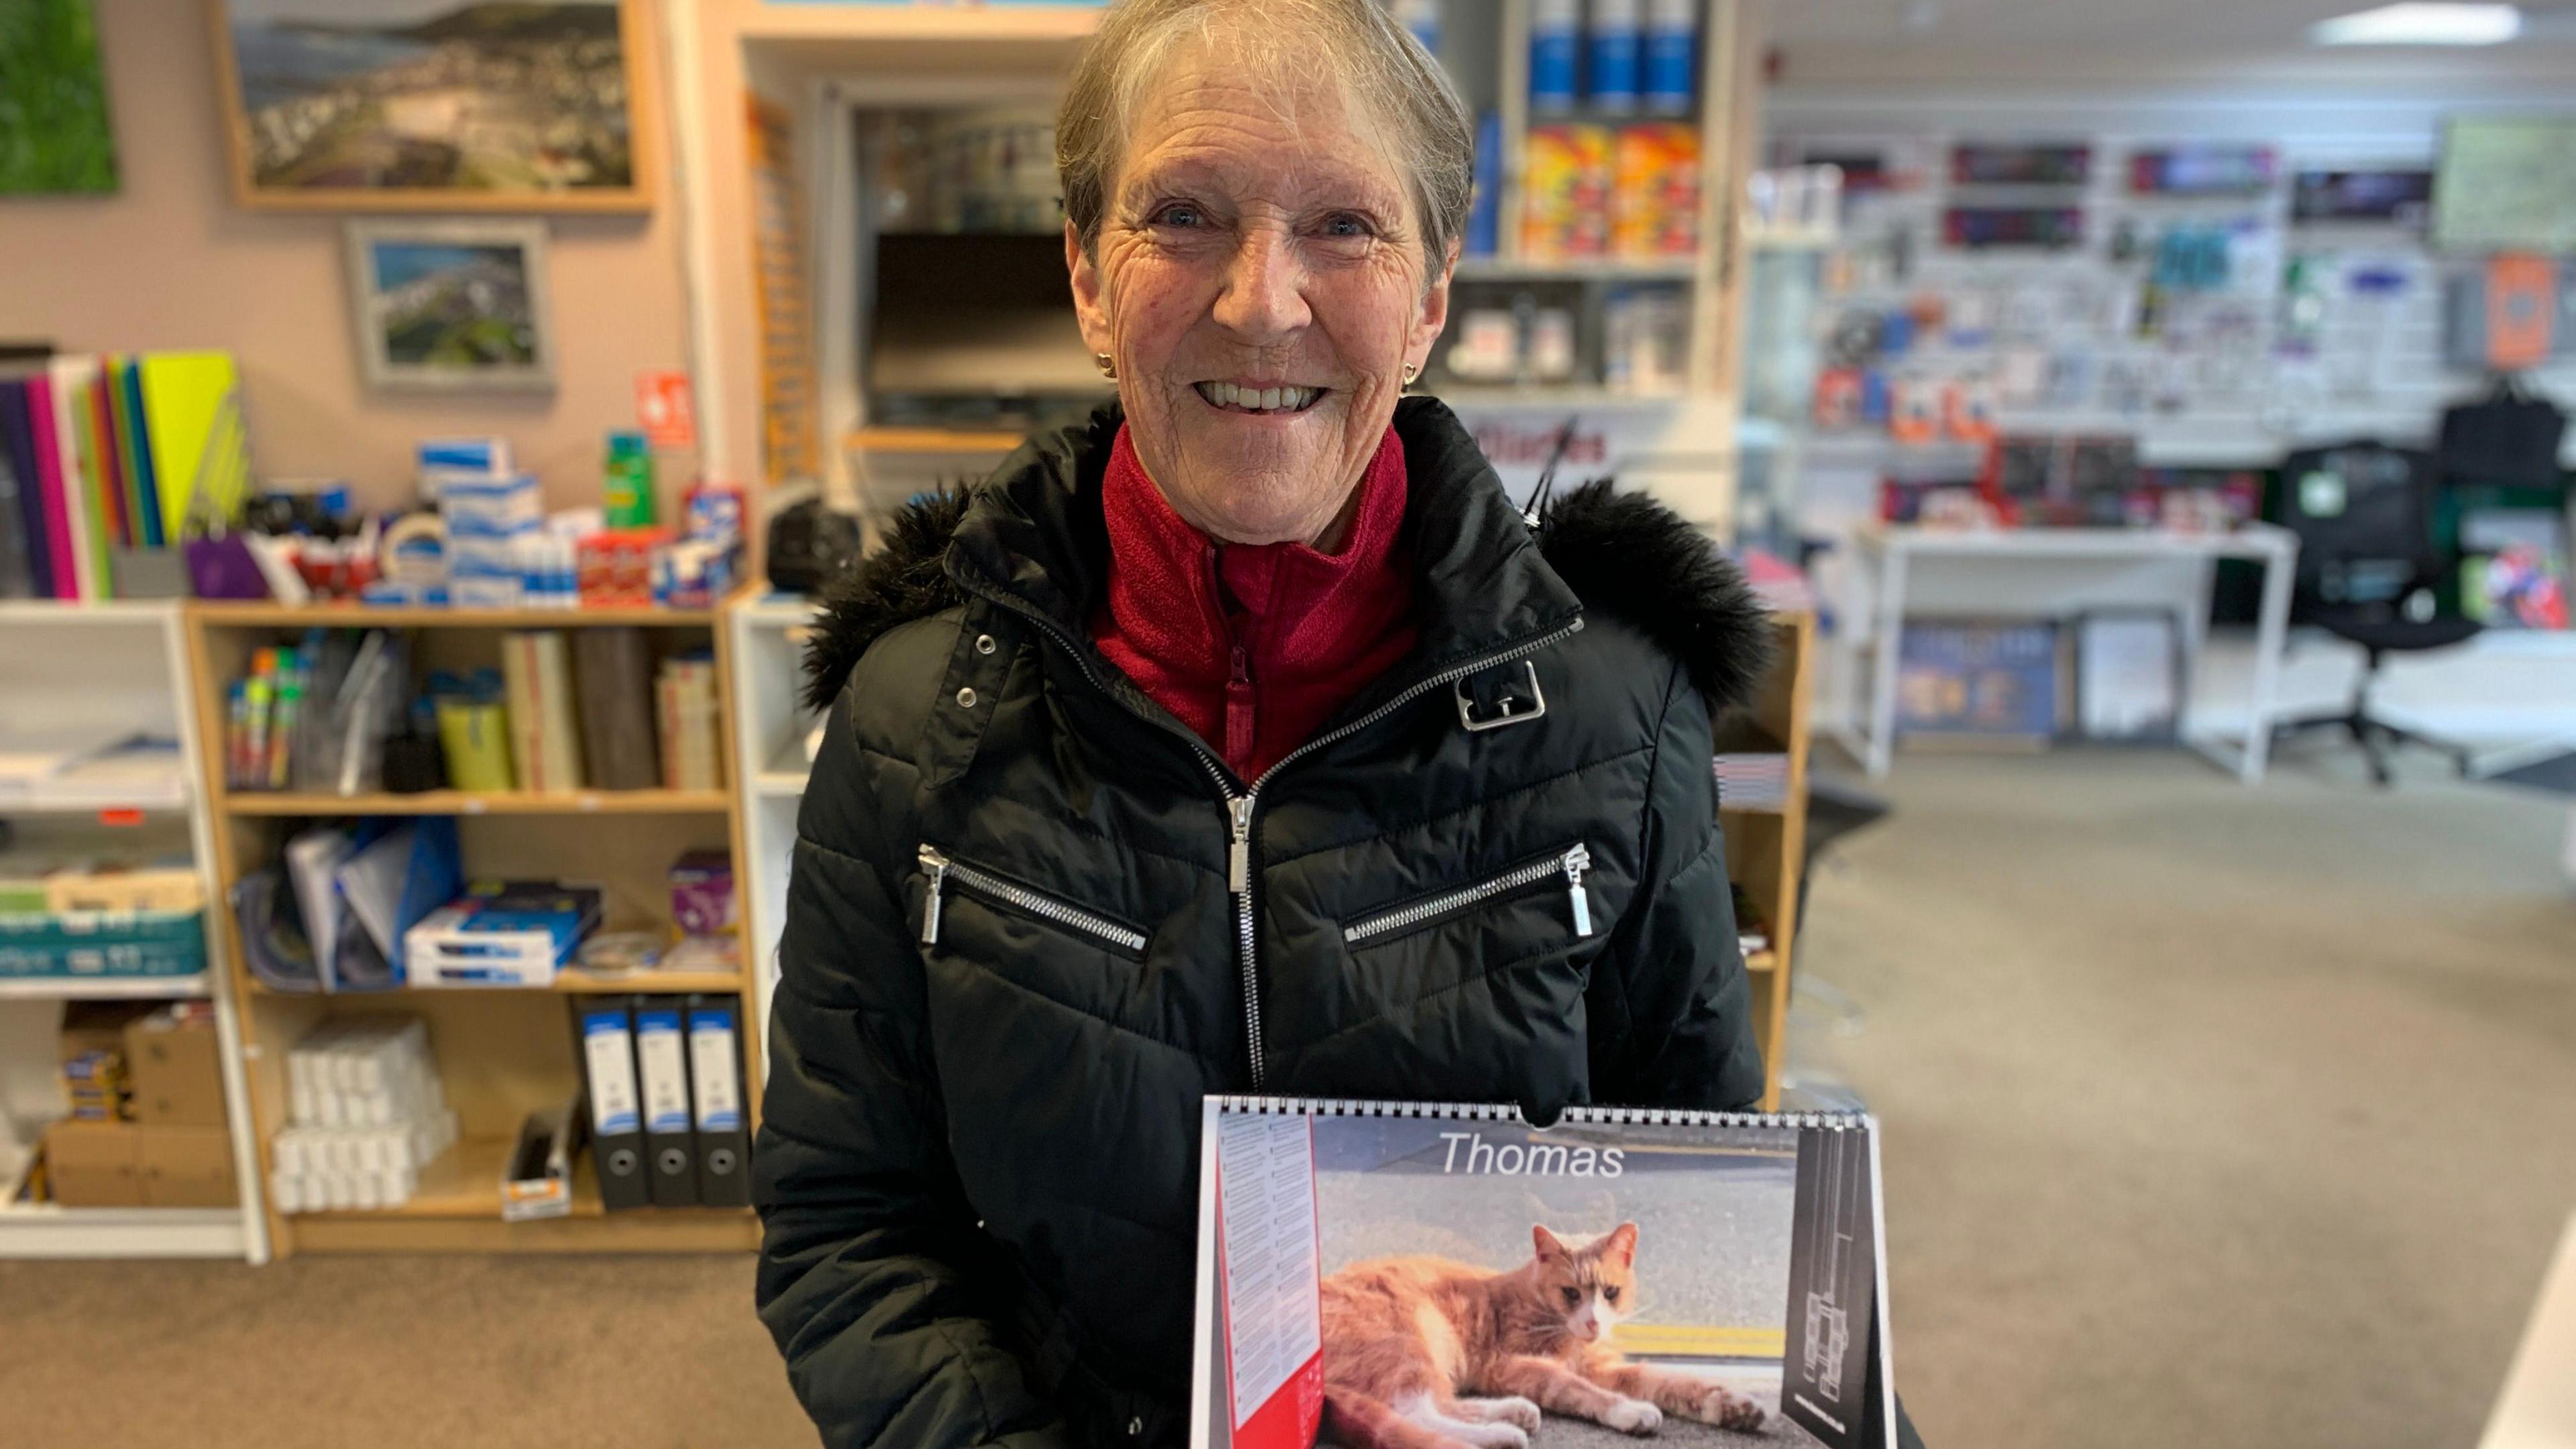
column 1508, row 710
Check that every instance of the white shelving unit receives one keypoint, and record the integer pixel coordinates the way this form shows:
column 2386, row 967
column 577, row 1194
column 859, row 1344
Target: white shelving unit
column 767, row 681
column 101, row 673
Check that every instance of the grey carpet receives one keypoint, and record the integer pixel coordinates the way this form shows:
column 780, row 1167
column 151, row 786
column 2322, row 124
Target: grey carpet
column 2215, row 1117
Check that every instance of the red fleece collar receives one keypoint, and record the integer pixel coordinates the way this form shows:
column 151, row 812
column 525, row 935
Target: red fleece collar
column 1253, row 646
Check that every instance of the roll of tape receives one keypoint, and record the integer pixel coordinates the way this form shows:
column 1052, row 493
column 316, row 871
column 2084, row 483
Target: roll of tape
column 414, row 550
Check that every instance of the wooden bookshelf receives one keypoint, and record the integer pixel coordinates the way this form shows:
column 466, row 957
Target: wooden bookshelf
column 1766, row 847
column 269, row 614
column 481, row 802
column 502, row 1052
column 458, row 1208
column 930, row 440
column 574, row 983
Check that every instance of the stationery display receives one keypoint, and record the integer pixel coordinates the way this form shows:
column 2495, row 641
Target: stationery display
column 480, row 537
column 2190, row 291
column 685, row 703
column 521, row 933
column 358, row 891
column 314, row 716
column 367, row 1113
column 566, row 711
column 103, row 459
column 1424, row 1273
column 663, row 1077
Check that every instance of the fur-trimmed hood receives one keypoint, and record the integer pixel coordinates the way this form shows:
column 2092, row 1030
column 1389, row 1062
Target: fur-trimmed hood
column 1622, row 554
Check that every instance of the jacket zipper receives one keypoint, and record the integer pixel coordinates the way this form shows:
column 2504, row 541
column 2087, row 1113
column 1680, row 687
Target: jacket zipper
column 1571, row 863
column 1045, row 907
column 1239, row 808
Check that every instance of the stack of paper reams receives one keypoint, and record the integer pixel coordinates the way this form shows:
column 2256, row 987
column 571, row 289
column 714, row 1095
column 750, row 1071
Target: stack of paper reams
column 368, row 1114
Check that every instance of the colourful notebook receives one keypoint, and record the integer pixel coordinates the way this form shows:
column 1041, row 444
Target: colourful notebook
column 111, row 465
column 18, row 437
column 138, row 442
column 183, row 413
column 49, row 489
column 75, row 378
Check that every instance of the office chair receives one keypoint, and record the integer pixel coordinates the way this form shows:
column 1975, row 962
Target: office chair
column 2368, row 571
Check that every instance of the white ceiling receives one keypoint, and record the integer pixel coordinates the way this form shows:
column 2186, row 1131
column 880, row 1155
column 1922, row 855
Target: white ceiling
column 2162, row 26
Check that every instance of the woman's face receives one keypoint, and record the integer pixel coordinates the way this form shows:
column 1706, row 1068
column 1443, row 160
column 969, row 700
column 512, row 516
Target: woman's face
column 1260, row 283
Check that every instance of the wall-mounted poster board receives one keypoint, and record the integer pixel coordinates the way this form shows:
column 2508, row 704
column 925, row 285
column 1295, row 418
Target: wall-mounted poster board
column 2506, row 183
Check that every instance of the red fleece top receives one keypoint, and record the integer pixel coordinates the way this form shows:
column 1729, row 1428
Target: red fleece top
column 1253, row 646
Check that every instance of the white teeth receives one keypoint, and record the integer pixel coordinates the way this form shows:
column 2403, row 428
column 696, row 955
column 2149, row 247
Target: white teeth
column 1257, row 399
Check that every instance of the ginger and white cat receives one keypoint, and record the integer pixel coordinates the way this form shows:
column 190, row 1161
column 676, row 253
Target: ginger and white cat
column 1423, row 1353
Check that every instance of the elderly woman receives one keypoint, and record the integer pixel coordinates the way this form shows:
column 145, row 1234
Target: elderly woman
column 1246, row 739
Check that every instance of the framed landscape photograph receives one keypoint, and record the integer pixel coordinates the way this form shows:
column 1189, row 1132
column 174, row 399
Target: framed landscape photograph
column 437, row 105
column 457, row 305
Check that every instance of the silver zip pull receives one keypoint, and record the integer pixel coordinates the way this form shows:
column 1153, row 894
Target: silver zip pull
column 1238, row 855
column 937, row 864
column 1577, row 861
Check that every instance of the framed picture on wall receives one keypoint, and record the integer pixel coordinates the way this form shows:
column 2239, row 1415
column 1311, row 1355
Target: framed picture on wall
column 54, row 136
column 451, row 305
column 437, row 105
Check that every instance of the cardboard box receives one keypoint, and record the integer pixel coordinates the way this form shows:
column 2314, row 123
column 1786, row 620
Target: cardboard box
column 92, row 1164
column 126, row 888
column 176, row 1071
column 185, row 1166
column 98, row 1026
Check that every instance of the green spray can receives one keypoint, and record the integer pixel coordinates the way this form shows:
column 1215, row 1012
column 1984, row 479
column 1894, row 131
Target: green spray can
column 628, row 483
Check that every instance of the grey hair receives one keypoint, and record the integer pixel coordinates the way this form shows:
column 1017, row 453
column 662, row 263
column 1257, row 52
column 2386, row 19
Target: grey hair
column 1352, row 41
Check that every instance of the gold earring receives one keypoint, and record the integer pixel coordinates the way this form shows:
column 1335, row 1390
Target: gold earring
column 1412, row 370
column 1108, row 364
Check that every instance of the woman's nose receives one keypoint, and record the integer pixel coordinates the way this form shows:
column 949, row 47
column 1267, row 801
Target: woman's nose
column 1264, row 299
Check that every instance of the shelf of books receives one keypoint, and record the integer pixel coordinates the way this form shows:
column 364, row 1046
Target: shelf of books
column 433, row 919
column 1761, row 769
column 124, row 1121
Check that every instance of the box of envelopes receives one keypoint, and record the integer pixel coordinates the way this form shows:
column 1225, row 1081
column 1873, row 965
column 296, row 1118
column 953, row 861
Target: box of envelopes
column 176, row 1067
column 518, row 934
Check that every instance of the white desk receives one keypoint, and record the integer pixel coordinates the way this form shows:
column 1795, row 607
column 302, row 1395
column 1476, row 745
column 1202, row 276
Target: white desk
column 2074, row 569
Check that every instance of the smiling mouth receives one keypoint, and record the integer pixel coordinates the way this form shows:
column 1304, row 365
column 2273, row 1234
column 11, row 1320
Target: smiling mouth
column 1260, row 400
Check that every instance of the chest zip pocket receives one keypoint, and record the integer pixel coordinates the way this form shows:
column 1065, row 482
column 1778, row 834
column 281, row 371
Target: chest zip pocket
column 944, row 873
column 1568, row 864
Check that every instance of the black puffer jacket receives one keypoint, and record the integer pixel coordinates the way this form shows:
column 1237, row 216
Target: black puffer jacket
column 1020, row 947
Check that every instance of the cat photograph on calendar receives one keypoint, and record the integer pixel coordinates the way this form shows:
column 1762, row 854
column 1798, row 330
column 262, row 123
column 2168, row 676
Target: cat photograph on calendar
column 1412, row 1276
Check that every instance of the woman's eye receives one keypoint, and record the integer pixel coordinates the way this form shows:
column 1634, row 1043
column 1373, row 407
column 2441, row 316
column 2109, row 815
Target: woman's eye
column 1572, row 1297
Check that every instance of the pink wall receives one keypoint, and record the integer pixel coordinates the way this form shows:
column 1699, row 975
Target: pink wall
column 170, row 261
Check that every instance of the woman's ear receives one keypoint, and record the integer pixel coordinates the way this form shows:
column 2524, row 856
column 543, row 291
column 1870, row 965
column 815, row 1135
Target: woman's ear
column 1434, row 314
column 1088, row 308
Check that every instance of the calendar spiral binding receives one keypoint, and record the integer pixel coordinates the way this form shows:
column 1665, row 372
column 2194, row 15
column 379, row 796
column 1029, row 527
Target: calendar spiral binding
column 1508, row 1112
